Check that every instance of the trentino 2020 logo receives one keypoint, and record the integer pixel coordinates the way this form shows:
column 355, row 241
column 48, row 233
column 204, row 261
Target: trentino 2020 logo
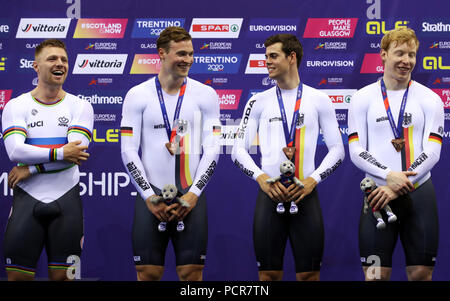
column 152, row 28
column 216, row 63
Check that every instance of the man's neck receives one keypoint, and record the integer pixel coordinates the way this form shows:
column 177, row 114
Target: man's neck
column 289, row 82
column 169, row 83
column 48, row 94
column 393, row 84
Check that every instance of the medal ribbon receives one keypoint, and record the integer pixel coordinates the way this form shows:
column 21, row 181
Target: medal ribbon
column 291, row 136
column 397, row 130
column 171, row 133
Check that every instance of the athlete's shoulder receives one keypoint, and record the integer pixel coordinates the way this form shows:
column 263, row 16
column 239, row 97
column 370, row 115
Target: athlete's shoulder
column 78, row 103
column 423, row 92
column 143, row 88
column 270, row 93
column 199, row 87
column 315, row 93
column 18, row 103
column 366, row 93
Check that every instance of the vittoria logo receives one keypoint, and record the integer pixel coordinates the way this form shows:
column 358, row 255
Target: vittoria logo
column 42, row 28
column 100, row 63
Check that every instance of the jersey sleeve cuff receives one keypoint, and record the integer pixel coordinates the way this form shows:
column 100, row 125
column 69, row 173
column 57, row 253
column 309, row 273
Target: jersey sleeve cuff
column 316, row 177
column 60, row 154
column 33, row 170
column 257, row 174
column 195, row 191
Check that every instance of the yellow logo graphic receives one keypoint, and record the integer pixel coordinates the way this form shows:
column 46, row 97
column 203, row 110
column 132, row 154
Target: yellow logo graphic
column 112, row 135
column 379, row 27
column 434, row 63
column 2, row 63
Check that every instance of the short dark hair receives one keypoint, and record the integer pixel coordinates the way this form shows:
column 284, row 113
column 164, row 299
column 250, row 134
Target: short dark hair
column 290, row 44
column 49, row 43
column 172, row 33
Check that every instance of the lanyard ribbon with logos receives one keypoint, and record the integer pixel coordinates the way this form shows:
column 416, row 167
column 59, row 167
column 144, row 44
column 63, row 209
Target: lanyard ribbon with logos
column 289, row 136
column 398, row 142
column 171, row 132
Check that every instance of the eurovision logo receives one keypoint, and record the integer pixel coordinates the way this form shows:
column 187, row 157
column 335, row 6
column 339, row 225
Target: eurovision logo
column 262, row 28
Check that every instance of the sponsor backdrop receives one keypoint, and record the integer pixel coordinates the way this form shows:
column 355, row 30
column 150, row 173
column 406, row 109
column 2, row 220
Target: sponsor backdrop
column 112, row 47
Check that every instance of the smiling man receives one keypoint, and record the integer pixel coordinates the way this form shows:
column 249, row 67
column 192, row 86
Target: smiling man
column 171, row 118
column 47, row 132
column 288, row 118
column 396, row 127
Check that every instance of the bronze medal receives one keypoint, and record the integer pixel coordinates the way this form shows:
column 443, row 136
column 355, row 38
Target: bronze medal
column 398, row 144
column 289, row 151
column 172, row 147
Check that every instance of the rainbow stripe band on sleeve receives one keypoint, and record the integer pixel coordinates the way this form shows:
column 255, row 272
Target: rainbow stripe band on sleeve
column 18, row 268
column 435, row 138
column 40, row 168
column 52, row 155
column 80, row 130
column 126, row 131
column 15, row 130
column 58, row 266
column 353, row 137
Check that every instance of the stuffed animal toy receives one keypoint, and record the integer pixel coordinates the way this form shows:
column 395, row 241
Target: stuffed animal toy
column 367, row 186
column 287, row 177
column 169, row 196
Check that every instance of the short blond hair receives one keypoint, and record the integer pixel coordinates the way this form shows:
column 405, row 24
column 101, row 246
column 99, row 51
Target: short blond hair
column 400, row 35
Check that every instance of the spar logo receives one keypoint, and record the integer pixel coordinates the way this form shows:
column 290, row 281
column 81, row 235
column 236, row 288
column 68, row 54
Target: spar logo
column 229, row 99
column 5, row 96
column 330, row 63
column 146, row 64
column 42, row 28
column 216, row 28
column 262, row 28
column 330, row 28
column 216, row 63
column 152, row 28
column 372, row 63
column 445, row 96
column 100, row 63
column 256, row 64
column 340, row 98
column 100, row 28
column 435, row 62
column 377, row 27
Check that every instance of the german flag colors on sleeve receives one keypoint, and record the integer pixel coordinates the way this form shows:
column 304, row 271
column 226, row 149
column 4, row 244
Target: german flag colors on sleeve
column 435, row 138
column 126, row 131
column 216, row 130
column 353, row 137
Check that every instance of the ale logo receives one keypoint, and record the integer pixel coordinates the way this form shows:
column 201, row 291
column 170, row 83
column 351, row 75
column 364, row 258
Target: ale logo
column 434, row 63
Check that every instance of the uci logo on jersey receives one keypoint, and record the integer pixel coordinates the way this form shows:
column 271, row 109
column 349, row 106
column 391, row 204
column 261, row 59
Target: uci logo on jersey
column 36, row 124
